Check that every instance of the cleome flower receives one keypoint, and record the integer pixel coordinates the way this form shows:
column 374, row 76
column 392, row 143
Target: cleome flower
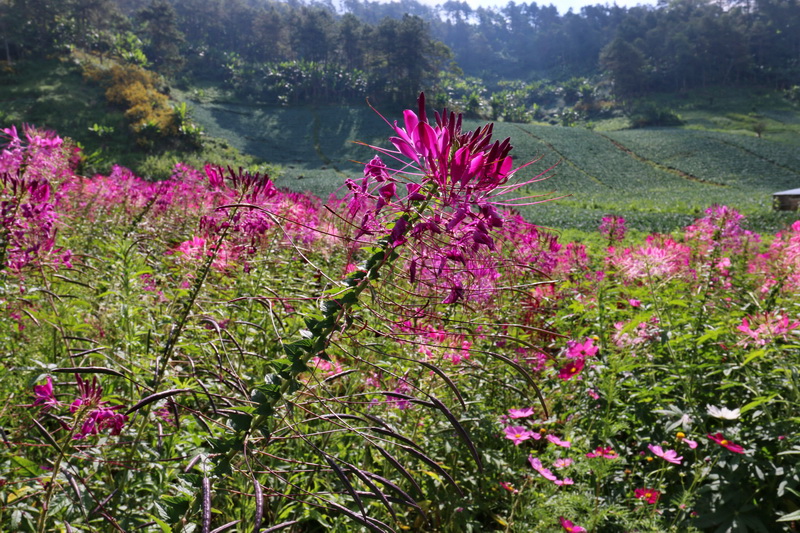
column 445, row 190
column 99, row 415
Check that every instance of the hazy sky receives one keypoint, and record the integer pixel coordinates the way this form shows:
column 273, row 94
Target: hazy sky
column 562, row 5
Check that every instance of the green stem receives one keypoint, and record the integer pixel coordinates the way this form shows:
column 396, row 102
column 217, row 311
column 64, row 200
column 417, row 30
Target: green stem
column 42, row 521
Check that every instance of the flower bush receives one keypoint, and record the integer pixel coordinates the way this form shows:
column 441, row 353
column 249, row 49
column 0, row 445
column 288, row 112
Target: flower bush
column 213, row 353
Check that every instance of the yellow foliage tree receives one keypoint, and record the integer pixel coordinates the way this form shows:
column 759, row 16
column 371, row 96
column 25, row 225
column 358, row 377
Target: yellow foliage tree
column 147, row 109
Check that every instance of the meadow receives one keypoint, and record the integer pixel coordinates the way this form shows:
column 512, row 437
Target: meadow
column 218, row 352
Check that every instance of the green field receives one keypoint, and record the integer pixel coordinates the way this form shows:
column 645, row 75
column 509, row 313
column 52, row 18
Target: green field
column 659, row 179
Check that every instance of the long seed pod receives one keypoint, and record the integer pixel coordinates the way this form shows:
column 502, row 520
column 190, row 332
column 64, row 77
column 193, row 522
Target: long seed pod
column 259, row 495
column 206, row 506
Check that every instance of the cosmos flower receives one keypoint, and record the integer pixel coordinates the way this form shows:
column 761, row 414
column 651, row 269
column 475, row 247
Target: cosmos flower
column 722, row 441
column 570, row 527
column 520, row 413
column 517, row 434
column 606, row 452
column 671, row 456
column 572, row 369
column 723, row 412
column 648, row 495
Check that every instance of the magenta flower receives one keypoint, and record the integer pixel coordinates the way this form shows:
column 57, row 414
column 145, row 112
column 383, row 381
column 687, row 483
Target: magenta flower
column 520, row 413
column 649, row 495
column 722, row 441
column 581, row 350
column 45, row 395
column 572, row 369
column 606, row 452
column 613, row 228
column 517, row 434
column 99, row 416
column 558, row 442
column 570, row 527
column 670, row 456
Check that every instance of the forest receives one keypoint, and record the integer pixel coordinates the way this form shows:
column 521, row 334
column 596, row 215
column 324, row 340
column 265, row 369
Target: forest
column 292, row 52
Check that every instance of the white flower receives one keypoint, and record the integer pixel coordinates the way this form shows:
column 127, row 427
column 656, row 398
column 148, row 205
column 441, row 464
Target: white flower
column 723, row 412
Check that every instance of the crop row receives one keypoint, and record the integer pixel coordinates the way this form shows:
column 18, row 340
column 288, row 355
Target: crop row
column 714, row 157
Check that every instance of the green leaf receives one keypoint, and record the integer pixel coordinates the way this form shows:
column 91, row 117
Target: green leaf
column 28, row 465
column 758, row 401
column 754, row 354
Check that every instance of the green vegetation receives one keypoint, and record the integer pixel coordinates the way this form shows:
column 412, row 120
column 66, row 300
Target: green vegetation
column 53, row 94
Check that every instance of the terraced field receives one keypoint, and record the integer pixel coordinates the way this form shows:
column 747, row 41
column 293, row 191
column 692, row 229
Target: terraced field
column 658, row 179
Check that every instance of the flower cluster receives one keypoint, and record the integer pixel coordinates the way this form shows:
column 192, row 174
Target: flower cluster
column 443, row 193
column 91, row 413
column 30, row 170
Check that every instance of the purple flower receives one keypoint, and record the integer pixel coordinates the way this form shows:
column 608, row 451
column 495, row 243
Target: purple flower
column 44, row 394
column 99, row 415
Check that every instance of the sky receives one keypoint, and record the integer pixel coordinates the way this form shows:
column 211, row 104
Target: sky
column 562, row 5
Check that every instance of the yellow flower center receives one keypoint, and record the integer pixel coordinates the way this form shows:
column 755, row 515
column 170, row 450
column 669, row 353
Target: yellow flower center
column 681, row 435
column 723, row 442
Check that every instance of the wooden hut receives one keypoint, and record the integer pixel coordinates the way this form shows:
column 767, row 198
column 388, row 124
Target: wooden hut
column 786, row 200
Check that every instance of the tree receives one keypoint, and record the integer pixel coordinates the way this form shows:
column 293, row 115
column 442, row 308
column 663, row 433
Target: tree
column 158, row 29
column 625, row 64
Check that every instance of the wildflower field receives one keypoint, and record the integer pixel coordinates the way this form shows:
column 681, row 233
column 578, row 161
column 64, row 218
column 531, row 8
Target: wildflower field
column 212, row 353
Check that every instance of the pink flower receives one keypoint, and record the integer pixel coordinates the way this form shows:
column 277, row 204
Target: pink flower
column 517, row 434
column 606, row 452
column 537, row 465
column 648, row 495
column 570, row 527
column 520, row 413
column 572, row 369
column 562, row 463
column 581, row 350
column 546, row 473
column 671, row 456
column 558, row 442
column 634, row 303
column 722, row 441
column 509, row 487
column 613, row 228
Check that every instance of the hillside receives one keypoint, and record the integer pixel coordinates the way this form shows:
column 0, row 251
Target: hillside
column 658, row 178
